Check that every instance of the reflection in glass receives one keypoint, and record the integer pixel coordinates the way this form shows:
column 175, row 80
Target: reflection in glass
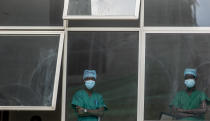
column 28, row 66
column 115, row 57
column 31, row 12
column 45, row 115
column 102, row 7
column 167, row 55
column 177, row 13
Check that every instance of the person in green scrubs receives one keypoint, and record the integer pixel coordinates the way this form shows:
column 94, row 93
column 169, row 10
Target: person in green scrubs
column 190, row 104
column 88, row 104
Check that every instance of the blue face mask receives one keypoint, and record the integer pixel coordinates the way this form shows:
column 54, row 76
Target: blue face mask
column 90, row 84
column 189, row 83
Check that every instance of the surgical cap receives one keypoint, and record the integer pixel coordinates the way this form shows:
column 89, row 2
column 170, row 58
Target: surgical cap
column 89, row 73
column 190, row 71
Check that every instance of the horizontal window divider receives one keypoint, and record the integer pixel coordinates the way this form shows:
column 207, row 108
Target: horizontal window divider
column 103, row 29
column 46, row 28
column 176, row 29
column 31, row 32
column 28, row 108
column 100, row 17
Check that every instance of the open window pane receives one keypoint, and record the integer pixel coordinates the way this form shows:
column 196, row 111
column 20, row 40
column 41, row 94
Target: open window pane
column 167, row 56
column 31, row 12
column 44, row 115
column 30, row 66
column 177, row 13
column 114, row 55
column 101, row 9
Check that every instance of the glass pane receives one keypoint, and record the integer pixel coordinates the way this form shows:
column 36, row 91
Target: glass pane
column 102, row 7
column 114, row 55
column 44, row 115
column 28, row 65
column 31, row 12
column 167, row 56
column 177, row 13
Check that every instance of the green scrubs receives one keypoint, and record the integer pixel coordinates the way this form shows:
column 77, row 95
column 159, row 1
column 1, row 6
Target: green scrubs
column 82, row 99
column 187, row 102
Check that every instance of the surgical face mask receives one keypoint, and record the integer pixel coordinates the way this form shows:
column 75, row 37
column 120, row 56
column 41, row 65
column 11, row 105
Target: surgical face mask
column 90, row 84
column 189, row 83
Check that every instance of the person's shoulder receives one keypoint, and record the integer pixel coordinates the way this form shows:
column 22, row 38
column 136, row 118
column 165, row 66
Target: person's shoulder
column 200, row 92
column 180, row 93
column 79, row 92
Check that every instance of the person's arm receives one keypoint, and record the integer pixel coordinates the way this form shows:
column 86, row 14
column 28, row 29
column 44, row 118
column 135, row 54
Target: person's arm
column 181, row 113
column 175, row 106
column 178, row 113
column 97, row 112
column 200, row 110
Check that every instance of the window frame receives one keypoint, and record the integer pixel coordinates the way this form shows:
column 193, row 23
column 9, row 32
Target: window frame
column 90, row 17
column 57, row 72
column 142, row 54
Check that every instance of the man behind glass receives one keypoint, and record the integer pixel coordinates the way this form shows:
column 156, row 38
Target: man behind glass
column 88, row 104
column 190, row 104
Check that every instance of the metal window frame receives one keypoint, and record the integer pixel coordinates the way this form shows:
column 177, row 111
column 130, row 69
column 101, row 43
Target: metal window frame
column 57, row 72
column 89, row 17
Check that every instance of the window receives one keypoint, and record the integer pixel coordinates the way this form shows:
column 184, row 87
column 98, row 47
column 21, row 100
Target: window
column 139, row 56
column 167, row 55
column 30, row 66
column 101, row 9
column 114, row 55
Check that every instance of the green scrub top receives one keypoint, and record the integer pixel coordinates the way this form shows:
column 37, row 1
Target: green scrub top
column 82, row 99
column 194, row 100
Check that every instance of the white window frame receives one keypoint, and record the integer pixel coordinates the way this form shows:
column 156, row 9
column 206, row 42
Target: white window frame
column 90, row 17
column 32, row 28
column 93, row 29
column 57, row 72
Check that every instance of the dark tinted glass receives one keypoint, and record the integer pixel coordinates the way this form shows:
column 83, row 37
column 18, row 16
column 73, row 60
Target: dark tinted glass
column 114, row 55
column 28, row 65
column 177, row 13
column 31, row 12
column 104, row 23
column 167, row 55
column 44, row 115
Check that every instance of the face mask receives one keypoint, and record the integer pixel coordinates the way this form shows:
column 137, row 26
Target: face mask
column 189, row 83
column 90, row 84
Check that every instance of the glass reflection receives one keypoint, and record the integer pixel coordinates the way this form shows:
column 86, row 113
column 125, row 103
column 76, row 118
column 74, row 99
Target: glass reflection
column 45, row 115
column 31, row 12
column 177, row 13
column 102, row 7
column 167, row 56
column 114, row 55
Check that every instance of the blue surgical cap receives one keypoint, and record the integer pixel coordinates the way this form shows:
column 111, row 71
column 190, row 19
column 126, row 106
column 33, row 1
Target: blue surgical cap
column 190, row 71
column 89, row 73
